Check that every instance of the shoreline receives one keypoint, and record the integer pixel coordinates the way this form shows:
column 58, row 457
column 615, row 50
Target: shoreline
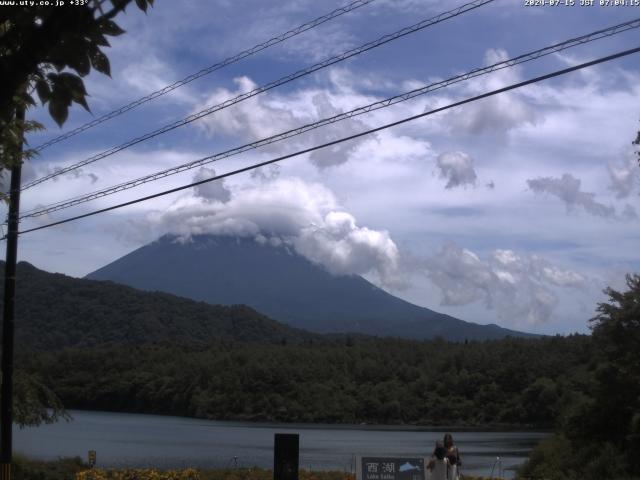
column 493, row 428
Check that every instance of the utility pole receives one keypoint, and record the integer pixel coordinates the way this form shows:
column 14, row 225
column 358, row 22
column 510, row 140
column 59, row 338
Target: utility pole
column 6, row 390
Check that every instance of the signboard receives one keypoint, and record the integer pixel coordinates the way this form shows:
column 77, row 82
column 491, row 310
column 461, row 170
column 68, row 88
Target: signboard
column 390, row 468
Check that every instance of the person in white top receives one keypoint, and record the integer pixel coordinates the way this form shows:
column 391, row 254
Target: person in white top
column 453, row 455
column 438, row 466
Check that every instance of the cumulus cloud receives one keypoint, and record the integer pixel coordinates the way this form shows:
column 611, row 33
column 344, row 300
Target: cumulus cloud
column 519, row 287
column 267, row 173
column 567, row 189
column 624, row 176
column 499, row 113
column 336, row 154
column 344, row 248
column 288, row 211
column 211, row 191
column 457, row 169
column 252, row 118
column 269, row 114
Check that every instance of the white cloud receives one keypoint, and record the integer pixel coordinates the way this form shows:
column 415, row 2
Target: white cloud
column 344, row 248
column 457, row 169
column 499, row 113
column 75, row 174
column 251, row 118
column 624, row 176
column 520, row 288
column 304, row 215
column 567, row 189
column 269, row 114
column 211, row 191
column 336, row 154
column 267, row 173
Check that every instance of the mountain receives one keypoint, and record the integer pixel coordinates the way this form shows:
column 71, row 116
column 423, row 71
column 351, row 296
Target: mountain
column 56, row 311
column 283, row 285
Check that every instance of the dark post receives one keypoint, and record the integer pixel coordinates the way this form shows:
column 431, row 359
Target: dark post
column 286, row 456
column 6, row 390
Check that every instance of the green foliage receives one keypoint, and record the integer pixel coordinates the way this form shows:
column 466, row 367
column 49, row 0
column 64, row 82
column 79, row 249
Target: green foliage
column 374, row 380
column 553, row 459
column 34, row 403
column 40, row 49
column 599, row 422
column 62, row 469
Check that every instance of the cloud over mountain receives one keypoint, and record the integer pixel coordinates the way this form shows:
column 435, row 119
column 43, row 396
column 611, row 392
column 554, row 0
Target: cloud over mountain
column 301, row 215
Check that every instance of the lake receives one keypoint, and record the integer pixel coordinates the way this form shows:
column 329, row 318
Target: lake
column 171, row 442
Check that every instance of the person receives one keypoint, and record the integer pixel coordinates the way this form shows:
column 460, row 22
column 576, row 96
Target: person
column 439, row 465
column 453, row 456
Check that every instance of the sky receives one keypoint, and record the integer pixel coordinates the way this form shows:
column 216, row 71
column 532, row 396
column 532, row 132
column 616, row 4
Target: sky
column 518, row 209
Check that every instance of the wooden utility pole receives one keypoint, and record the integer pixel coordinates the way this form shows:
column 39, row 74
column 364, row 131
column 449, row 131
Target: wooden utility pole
column 6, row 390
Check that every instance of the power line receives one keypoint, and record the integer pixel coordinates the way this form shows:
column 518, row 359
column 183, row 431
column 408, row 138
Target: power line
column 330, row 120
column 256, row 91
column 206, row 71
column 344, row 139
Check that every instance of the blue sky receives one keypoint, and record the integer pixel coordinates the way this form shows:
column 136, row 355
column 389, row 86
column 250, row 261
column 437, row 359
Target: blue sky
column 516, row 210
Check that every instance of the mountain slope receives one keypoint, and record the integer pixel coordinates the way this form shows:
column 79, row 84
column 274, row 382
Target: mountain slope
column 56, row 311
column 284, row 286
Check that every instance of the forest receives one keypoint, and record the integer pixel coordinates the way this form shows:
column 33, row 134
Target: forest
column 507, row 382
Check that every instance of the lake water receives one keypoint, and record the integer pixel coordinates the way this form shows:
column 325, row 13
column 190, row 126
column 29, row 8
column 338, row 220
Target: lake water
column 172, row 442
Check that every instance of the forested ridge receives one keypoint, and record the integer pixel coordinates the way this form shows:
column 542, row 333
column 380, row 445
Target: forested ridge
column 55, row 311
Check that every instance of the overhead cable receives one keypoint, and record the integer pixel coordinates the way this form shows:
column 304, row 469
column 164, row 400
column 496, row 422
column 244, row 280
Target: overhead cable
column 67, row 203
column 341, row 140
column 210, row 69
column 263, row 88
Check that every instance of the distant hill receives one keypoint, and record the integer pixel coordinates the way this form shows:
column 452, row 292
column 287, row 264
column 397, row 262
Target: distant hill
column 285, row 286
column 56, row 311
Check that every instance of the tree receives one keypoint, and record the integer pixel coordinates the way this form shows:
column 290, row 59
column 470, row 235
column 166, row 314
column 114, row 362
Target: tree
column 40, row 48
column 616, row 332
column 34, row 403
